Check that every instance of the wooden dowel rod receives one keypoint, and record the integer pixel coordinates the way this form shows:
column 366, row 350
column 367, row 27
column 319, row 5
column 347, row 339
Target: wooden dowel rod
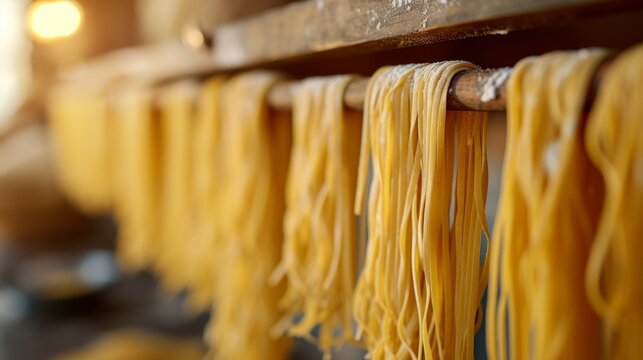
column 479, row 90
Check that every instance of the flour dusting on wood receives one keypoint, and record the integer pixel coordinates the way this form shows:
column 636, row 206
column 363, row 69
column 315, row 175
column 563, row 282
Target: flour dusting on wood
column 401, row 3
column 491, row 87
column 498, row 32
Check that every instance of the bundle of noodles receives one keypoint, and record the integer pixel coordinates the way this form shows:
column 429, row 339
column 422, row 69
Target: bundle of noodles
column 320, row 231
column 137, row 168
column 177, row 105
column 547, row 215
column 206, row 152
column 81, row 134
column 421, row 286
column 251, row 208
column 613, row 278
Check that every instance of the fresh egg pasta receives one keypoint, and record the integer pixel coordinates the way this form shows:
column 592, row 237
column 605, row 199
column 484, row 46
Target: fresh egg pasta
column 201, row 255
column 177, row 114
column 613, row 279
column 256, row 144
column 80, row 130
column 547, row 215
column 137, row 184
column 319, row 252
column 419, row 292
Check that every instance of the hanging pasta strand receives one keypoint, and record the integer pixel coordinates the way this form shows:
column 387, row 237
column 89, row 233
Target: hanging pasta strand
column 546, row 219
column 449, row 252
column 422, row 282
column 137, row 168
column 80, row 130
column 319, row 254
column 387, row 102
column 251, row 208
column 206, row 167
column 613, row 278
column 471, row 194
column 177, row 133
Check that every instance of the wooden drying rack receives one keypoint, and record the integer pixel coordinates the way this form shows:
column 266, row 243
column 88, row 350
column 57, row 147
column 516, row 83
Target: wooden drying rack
column 311, row 29
column 304, row 30
column 482, row 90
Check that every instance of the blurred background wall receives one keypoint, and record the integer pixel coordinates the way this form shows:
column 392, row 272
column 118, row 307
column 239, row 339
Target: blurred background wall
column 15, row 48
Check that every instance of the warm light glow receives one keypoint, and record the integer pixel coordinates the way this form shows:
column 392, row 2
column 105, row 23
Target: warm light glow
column 193, row 38
column 54, row 19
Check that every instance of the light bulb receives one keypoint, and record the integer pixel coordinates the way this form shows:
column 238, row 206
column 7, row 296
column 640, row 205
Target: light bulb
column 50, row 20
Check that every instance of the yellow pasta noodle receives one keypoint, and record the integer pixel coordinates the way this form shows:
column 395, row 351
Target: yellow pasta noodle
column 319, row 253
column 206, row 154
column 81, row 141
column 547, row 215
column 422, row 282
column 613, row 140
column 144, row 159
column 251, row 206
column 177, row 106
column 137, row 180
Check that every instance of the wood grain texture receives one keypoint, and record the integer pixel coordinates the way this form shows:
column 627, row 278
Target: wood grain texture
column 310, row 27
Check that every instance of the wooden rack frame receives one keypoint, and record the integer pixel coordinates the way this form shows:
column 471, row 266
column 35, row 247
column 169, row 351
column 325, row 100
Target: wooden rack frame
column 308, row 28
column 303, row 30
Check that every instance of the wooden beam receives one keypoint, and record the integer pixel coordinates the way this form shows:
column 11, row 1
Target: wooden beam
column 309, row 29
column 313, row 26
